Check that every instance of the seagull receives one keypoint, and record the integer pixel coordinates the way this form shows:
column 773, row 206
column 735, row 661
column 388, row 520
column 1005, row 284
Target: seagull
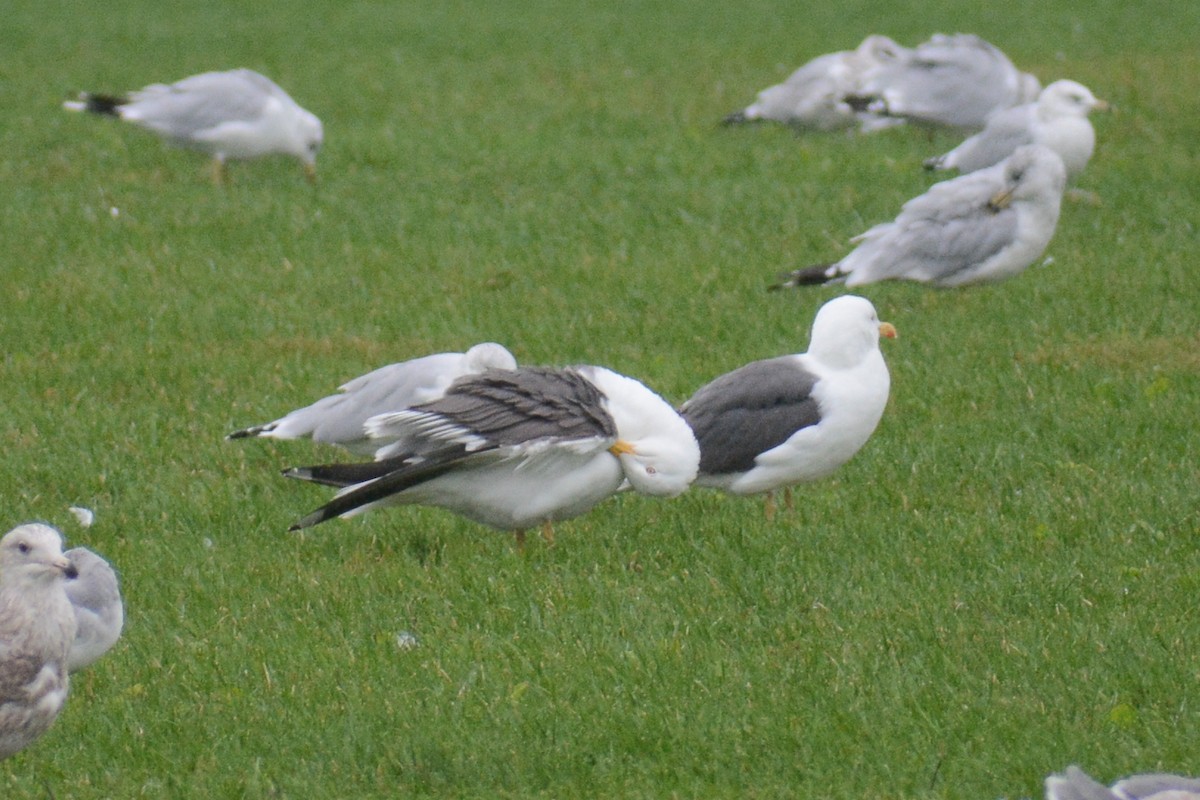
column 1058, row 120
column 814, row 95
column 339, row 419
column 948, row 81
column 1075, row 784
column 37, row 627
column 987, row 225
column 516, row 448
column 781, row 421
column 234, row 114
column 95, row 596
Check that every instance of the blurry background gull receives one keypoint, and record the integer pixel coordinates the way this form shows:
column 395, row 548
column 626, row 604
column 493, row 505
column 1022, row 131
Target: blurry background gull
column 235, row 114
column 984, row 226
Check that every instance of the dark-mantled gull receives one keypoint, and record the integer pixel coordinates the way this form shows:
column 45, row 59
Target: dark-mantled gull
column 985, row 226
column 234, row 114
column 340, row 418
column 781, row 421
column 95, row 596
column 1058, row 120
column 952, row 81
column 814, row 95
column 517, row 448
column 1075, row 784
column 37, row 626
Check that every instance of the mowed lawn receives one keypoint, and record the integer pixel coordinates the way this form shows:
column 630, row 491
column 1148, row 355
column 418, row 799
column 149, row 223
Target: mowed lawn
column 1003, row 582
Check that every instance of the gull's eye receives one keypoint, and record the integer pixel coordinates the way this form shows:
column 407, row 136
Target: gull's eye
column 23, row 547
column 651, row 471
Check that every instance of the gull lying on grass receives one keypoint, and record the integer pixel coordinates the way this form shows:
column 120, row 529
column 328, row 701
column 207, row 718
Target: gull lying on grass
column 814, row 95
column 517, row 448
column 1058, row 120
column 984, row 226
column 95, row 596
column 234, row 114
column 340, row 418
column 793, row 419
column 1075, row 784
column 952, row 81
column 37, row 626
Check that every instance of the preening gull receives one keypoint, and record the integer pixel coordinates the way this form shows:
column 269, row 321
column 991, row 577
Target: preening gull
column 952, row 81
column 984, row 226
column 814, row 95
column 517, row 448
column 793, row 419
column 95, row 596
column 37, row 627
column 340, row 418
column 1075, row 784
column 234, row 114
column 1058, row 120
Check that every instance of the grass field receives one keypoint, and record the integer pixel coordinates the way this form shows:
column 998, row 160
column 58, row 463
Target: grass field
column 1002, row 583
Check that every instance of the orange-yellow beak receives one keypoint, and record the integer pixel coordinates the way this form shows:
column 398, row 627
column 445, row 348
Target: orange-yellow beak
column 621, row 448
column 887, row 330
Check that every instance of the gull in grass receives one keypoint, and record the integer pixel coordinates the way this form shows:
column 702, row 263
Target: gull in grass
column 781, row 421
column 985, row 226
column 1058, row 120
column 518, row 448
column 953, row 81
column 1075, row 784
column 813, row 97
column 340, row 418
column 95, row 596
column 235, row 114
column 37, row 626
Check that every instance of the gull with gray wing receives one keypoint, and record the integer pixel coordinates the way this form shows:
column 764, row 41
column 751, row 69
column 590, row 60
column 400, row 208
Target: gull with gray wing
column 517, row 448
column 985, row 226
column 340, row 418
column 794, row 419
column 235, row 114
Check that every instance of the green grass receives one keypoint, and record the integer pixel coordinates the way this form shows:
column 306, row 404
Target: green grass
column 1002, row 583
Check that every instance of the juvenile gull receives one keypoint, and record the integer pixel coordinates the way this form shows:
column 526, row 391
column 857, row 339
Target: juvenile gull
column 1058, row 120
column 793, row 419
column 517, row 448
column 339, row 418
column 984, row 226
column 234, row 114
column 37, row 627
column 1075, row 784
column 952, row 81
column 95, row 596
column 814, row 95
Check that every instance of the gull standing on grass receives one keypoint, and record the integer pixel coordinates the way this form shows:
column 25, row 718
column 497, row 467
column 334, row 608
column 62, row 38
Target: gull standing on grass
column 814, row 95
column 781, row 421
column 1075, row 784
column 518, row 448
column 340, row 418
column 1058, row 120
column 984, row 226
column 948, row 81
column 234, row 114
column 95, row 596
column 37, row 626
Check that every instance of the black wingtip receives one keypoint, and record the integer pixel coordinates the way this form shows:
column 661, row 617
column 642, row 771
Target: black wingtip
column 103, row 104
column 808, row 276
column 859, row 102
column 931, row 164
column 736, row 118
